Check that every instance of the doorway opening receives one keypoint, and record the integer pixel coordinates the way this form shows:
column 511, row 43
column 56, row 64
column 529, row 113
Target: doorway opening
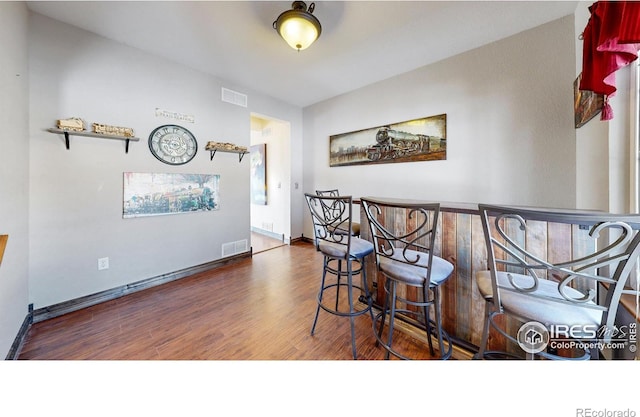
column 270, row 183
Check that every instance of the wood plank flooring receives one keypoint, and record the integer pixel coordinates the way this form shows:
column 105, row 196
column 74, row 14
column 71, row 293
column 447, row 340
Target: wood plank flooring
column 261, row 243
column 257, row 309
column 249, row 325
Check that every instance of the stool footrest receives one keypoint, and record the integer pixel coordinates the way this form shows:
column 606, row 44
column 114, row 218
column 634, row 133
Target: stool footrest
column 330, row 310
column 431, row 333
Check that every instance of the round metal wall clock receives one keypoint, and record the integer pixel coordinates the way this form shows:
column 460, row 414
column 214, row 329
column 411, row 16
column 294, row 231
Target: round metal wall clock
column 173, row 144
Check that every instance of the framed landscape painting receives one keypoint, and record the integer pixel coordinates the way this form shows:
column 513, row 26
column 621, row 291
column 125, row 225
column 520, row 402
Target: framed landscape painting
column 151, row 194
column 258, row 156
column 414, row 140
column 586, row 104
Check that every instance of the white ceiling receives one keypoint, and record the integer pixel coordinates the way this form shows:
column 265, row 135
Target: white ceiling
column 362, row 42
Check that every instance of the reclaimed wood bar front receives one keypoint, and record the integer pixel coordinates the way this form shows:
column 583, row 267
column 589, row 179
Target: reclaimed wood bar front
column 460, row 240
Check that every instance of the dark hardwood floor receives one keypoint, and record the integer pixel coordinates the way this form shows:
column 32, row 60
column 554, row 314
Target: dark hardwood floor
column 235, row 340
column 257, row 309
column 261, row 243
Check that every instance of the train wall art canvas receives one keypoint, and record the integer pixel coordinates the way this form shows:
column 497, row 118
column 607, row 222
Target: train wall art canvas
column 156, row 194
column 414, row 140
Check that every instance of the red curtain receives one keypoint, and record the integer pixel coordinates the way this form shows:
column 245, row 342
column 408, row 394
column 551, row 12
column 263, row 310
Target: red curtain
column 611, row 41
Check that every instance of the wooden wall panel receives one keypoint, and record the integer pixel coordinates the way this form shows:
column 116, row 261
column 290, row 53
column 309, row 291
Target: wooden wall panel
column 514, row 231
column 449, row 252
column 464, row 285
column 478, row 263
column 582, row 244
column 496, row 341
column 536, row 242
column 559, row 243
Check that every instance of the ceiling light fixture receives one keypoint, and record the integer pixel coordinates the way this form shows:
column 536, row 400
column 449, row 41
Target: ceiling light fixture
column 298, row 27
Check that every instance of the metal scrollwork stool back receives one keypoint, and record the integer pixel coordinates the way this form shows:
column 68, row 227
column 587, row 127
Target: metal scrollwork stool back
column 355, row 226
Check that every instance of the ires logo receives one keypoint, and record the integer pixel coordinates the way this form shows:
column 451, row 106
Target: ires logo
column 534, row 337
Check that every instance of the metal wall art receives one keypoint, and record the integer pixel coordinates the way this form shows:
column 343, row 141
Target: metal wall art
column 149, row 194
column 414, row 140
column 175, row 115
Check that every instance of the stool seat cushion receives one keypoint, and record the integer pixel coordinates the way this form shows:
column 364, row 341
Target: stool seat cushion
column 359, row 248
column 532, row 306
column 396, row 267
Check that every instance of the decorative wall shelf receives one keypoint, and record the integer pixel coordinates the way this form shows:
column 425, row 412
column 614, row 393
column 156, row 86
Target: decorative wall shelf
column 68, row 133
column 212, row 147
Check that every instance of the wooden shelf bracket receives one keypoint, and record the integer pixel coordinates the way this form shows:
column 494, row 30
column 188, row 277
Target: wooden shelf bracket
column 213, row 153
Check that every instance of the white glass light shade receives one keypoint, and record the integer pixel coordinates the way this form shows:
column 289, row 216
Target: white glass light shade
column 298, row 27
column 298, row 32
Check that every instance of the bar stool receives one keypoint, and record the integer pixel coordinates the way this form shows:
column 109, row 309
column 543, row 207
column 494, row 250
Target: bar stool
column 404, row 256
column 578, row 291
column 331, row 221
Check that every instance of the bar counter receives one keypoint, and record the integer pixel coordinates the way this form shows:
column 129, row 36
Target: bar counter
column 460, row 240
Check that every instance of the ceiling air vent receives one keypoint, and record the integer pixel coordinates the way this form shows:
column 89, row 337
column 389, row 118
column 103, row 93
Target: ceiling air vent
column 233, row 97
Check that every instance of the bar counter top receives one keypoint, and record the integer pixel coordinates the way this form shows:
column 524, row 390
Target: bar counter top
column 471, row 208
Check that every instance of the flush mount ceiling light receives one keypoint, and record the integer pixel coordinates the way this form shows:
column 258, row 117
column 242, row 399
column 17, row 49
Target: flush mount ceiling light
column 298, row 27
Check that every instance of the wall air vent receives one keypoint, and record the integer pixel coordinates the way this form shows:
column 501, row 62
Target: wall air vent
column 233, row 248
column 242, row 246
column 233, row 97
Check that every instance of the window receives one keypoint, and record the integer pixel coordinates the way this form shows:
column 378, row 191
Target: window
column 634, row 109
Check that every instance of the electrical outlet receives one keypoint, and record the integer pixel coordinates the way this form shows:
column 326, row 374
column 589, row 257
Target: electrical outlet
column 103, row 263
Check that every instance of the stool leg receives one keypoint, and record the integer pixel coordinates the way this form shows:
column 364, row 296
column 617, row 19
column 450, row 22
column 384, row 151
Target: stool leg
column 485, row 331
column 436, row 300
column 351, row 309
column 427, row 320
column 338, row 286
column 324, row 274
column 385, row 308
column 365, row 285
column 392, row 316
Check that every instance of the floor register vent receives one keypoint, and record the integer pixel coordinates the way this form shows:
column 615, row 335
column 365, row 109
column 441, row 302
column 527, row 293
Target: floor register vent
column 233, row 248
column 233, row 97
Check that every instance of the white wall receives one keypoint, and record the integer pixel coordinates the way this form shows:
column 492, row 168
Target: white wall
column 76, row 194
column 14, row 170
column 274, row 216
column 510, row 134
